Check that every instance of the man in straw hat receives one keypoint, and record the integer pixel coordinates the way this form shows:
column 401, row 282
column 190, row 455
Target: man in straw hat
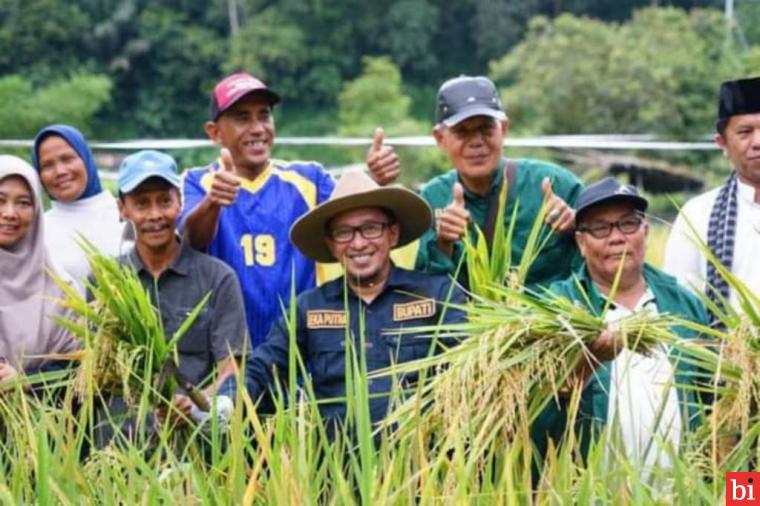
column 648, row 401
column 726, row 218
column 371, row 303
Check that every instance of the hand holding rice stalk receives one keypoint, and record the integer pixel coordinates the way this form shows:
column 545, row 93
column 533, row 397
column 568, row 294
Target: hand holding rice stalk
column 525, row 347
column 125, row 349
column 518, row 358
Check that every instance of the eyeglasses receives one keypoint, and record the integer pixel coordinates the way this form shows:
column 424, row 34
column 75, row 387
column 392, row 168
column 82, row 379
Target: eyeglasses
column 602, row 230
column 369, row 230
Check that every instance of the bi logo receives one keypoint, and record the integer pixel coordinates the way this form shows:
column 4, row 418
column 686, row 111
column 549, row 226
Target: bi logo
column 742, row 489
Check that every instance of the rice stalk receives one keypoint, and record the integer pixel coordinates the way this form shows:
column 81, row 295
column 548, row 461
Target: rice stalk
column 124, row 346
column 733, row 359
column 488, row 390
column 492, row 267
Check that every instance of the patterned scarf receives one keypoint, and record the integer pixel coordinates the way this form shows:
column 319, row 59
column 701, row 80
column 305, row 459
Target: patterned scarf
column 721, row 232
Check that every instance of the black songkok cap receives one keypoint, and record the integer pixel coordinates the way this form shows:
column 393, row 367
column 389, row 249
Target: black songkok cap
column 741, row 96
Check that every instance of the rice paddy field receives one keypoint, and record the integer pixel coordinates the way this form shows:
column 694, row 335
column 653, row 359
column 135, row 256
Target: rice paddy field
column 461, row 436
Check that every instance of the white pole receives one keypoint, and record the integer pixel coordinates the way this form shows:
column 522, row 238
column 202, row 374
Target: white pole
column 232, row 13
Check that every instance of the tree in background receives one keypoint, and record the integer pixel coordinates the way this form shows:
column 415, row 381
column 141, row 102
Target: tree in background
column 657, row 73
column 303, row 49
column 747, row 15
column 163, row 60
column 410, row 26
column 375, row 98
column 272, row 45
column 42, row 38
column 163, row 56
column 24, row 109
column 170, row 83
column 497, row 26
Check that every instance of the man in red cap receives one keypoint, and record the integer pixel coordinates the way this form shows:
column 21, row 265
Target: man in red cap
column 240, row 207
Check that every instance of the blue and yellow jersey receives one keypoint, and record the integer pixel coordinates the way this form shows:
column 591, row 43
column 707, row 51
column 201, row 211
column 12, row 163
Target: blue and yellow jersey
column 252, row 236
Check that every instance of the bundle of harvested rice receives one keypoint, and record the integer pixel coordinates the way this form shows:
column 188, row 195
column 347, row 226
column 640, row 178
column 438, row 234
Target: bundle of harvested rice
column 124, row 345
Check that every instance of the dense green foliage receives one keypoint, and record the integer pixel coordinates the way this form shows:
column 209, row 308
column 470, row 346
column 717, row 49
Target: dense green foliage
column 26, row 109
column 144, row 69
column 657, row 73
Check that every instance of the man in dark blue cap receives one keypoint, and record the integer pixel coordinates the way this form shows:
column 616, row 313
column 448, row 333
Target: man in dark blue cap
column 726, row 218
column 634, row 395
column 470, row 128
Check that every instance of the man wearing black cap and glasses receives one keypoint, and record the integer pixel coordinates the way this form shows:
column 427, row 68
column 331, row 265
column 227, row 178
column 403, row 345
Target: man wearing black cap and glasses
column 726, row 218
column 471, row 127
column 648, row 402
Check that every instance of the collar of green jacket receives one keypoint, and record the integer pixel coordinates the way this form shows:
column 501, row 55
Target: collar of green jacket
column 670, row 296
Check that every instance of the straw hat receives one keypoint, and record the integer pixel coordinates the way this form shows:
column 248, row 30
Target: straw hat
column 356, row 190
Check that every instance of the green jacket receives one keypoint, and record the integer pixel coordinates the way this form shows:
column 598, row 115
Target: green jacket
column 560, row 255
column 670, row 298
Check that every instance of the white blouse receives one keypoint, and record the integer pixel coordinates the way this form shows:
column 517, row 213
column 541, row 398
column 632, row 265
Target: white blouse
column 96, row 218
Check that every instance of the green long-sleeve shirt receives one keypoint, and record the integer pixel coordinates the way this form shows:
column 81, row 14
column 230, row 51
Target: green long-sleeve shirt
column 560, row 255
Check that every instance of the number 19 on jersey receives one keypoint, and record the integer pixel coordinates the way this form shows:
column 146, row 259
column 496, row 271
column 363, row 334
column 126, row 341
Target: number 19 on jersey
column 258, row 249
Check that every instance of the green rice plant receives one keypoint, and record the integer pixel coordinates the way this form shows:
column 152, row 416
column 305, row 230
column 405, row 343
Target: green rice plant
column 518, row 354
column 489, row 267
column 461, row 436
column 286, row 458
column 124, row 346
column 733, row 359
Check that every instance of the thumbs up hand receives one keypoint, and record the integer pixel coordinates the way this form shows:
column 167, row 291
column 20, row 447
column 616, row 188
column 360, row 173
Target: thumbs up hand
column 227, row 164
column 458, row 196
column 383, row 163
column 452, row 223
column 226, row 184
column 559, row 215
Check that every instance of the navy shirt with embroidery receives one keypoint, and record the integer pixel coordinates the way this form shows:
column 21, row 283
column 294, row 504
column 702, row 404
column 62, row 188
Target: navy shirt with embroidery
column 325, row 316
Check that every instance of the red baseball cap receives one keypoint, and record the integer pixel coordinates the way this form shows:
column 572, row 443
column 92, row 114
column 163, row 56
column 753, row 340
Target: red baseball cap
column 232, row 88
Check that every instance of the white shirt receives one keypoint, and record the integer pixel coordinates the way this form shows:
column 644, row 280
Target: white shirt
column 643, row 404
column 96, row 218
column 683, row 257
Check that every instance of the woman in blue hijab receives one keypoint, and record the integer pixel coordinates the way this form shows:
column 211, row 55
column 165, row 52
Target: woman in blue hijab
column 79, row 205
